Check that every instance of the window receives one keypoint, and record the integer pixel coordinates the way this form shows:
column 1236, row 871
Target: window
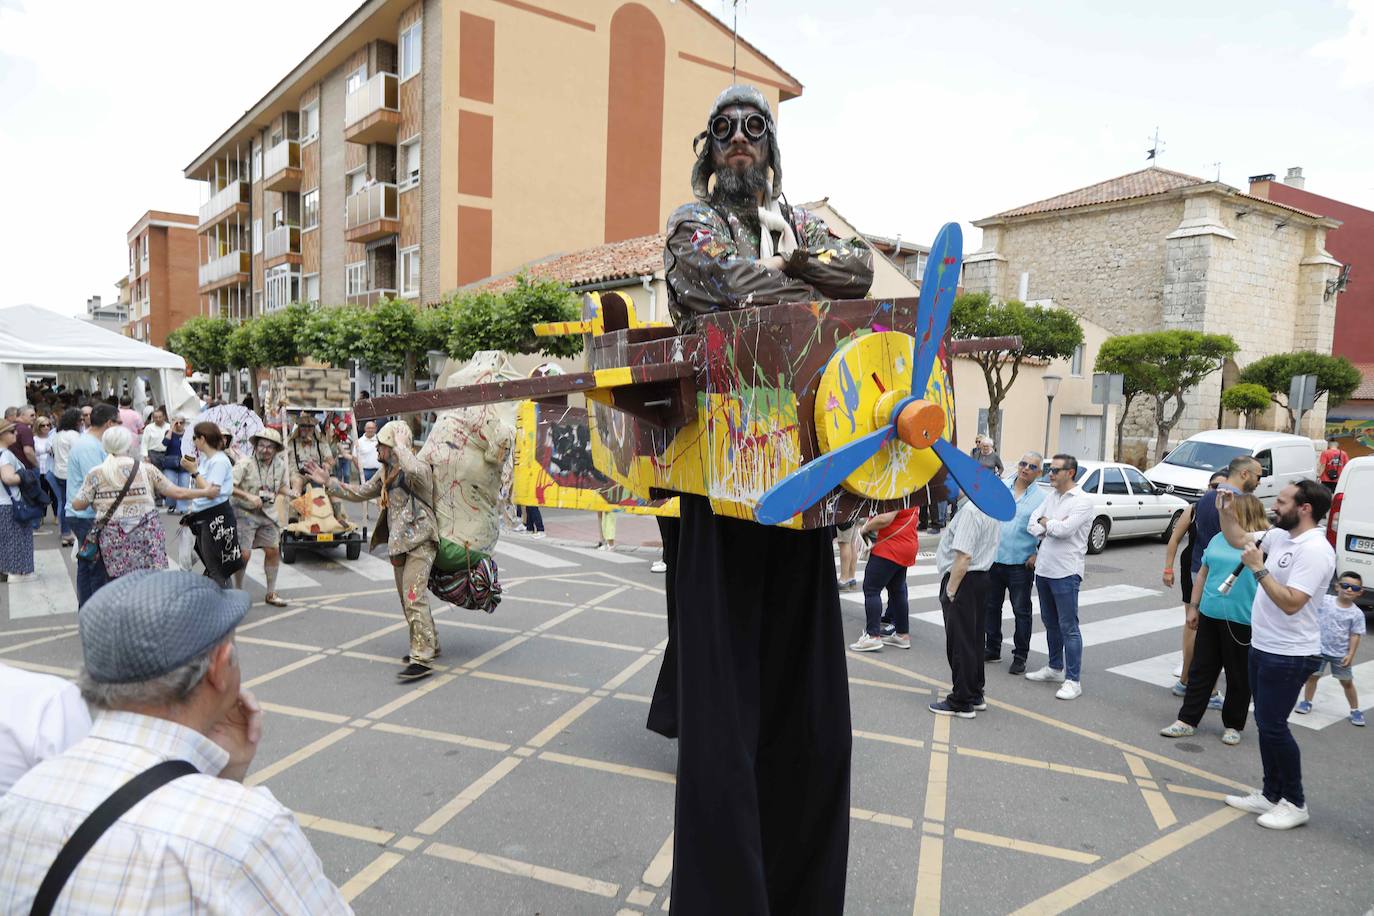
column 1266, row 461
column 410, row 51
column 278, row 218
column 356, row 79
column 356, row 279
column 410, row 272
column 1139, row 485
column 1076, row 361
column 355, row 180
column 1113, row 483
column 257, row 236
column 408, row 169
column 283, row 287
column 1090, row 485
column 310, row 288
column 257, row 165
column 310, row 209
column 310, row 122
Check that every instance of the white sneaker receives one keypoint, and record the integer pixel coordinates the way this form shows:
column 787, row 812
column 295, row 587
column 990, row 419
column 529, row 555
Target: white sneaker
column 16, row 578
column 538, row 535
column 1071, row 690
column 867, row 643
column 658, row 566
column 1285, row 816
column 1046, row 674
column 1255, row 803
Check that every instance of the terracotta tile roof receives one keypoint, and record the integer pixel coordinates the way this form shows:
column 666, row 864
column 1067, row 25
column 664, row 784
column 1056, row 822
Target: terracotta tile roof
column 1144, row 183
column 1365, row 390
column 628, row 259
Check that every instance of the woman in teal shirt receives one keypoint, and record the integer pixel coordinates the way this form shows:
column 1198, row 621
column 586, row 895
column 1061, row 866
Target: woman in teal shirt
column 1222, row 623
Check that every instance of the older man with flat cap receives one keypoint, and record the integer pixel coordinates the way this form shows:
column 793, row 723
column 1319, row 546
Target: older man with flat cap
column 158, row 781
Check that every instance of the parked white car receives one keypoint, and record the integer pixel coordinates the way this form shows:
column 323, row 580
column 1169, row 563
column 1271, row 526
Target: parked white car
column 1350, row 524
column 1127, row 504
column 1284, row 458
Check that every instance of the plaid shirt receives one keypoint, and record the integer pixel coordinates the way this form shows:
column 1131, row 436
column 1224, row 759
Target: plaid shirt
column 199, row 844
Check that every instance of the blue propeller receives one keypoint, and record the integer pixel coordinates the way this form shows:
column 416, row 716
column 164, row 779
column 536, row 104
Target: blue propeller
column 809, row 484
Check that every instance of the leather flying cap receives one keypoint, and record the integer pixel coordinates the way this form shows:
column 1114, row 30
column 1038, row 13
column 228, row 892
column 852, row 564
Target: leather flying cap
column 149, row 623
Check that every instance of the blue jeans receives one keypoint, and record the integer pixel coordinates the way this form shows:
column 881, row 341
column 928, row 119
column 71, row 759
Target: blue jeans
column 1059, row 611
column 881, row 573
column 181, row 479
column 1016, row 579
column 345, row 470
column 91, row 576
column 368, row 472
column 1275, row 681
column 58, row 488
column 534, row 519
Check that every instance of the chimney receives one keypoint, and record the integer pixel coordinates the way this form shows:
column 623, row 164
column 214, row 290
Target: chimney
column 1294, row 178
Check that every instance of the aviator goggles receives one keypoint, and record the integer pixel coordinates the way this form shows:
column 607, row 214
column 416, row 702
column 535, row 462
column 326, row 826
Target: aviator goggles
column 723, row 127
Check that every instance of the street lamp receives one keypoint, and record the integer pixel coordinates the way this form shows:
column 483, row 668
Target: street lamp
column 1051, row 389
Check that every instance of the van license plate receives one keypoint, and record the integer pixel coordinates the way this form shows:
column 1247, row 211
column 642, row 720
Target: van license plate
column 1360, row 545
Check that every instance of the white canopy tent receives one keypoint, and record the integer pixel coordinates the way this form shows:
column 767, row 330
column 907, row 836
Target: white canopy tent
column 35, row 340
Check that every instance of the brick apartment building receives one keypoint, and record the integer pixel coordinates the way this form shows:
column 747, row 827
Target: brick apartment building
column 425, row 145
column 161, row 286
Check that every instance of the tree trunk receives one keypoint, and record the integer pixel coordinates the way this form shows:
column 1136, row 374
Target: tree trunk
column 995, row 423
column 1121, row 425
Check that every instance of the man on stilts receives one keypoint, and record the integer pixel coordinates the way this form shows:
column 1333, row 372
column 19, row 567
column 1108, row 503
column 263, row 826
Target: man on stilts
column 762, row 812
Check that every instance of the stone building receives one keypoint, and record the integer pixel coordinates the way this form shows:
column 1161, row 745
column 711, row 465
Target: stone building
column 1160, row 250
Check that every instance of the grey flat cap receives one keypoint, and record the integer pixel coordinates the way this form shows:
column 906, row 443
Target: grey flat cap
column 149, row 623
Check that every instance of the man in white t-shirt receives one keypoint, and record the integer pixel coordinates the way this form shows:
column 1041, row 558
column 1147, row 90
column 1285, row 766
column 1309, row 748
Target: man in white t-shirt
column 366, row 452
column 41, row 717
column 1293, row 564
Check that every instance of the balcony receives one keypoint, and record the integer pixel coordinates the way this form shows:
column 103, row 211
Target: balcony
column 232, row 198
column 371, row 213
column 282, row 246
column 372, row 112
column 227, row 270
column 282, row 166
column 370, row 296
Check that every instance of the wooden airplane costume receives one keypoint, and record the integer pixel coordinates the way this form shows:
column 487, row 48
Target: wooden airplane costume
column 801, row 415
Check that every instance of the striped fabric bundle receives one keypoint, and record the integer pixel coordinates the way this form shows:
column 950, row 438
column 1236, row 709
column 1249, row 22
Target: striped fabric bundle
column 477, row 587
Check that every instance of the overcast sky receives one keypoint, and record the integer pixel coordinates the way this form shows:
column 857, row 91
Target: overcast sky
column 914, row 113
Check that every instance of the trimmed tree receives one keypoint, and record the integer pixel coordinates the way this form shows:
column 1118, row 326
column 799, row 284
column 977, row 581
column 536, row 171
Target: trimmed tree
column 240, row 349
column 334, row 335
column 1246, row 399
column 201, row 340
column 492, row 321
column 1336, row 376
column 1120, row 356
column 1165, row 366
column 1046, row 333
column 279, row 338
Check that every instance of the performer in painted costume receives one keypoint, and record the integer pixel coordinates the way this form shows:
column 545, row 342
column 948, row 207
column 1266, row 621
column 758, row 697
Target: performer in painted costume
column 404, row 488
column 762, row 698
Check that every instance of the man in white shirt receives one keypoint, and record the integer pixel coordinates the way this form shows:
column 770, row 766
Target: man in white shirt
column 965, row 554
column 1062, row 524
column 1293, row 563
column 161, row 667
column 41, row 717
column 366, row 452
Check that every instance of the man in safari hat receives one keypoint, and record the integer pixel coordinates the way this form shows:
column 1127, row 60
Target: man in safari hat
column 259, row 480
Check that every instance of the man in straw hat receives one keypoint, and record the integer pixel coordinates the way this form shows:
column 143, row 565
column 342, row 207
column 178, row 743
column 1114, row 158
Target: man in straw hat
column 259, row 480
column 404, row 489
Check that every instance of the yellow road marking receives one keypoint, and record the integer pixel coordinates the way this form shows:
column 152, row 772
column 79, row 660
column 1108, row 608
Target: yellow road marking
column 284, row 669
column 1075, row 892
column 487, row 656
column 598, row 643
column 527, row 681
column 562, row 722
column 604, row 766
column 889, row 739
column 385, row 615
column 1197, row 793
column 1039, row 849
column 278, row 644
column 633, row 697
column 343, row 828
column 427, row 687
column 904, row 688
column 369, row 875
column 629, row 613
column 368, row 637
column 627, row 672
column 1042, row 765
column 937, row 784
column 409, row 843
column 928, row 869
column 1137, row 766
column 466, row 797
column 942, row 727
column 481, row 744
column 41, row 669
column 524, row 870
column 37, row 642
column 273, row 619
column 290, row 760
column 298, row 712
column 491, row 628
column 630, row 583
column 877, row 817
column 65, row 626
column 1159, row 808
column 661, row 865
column 640, row 897
column 382, row 659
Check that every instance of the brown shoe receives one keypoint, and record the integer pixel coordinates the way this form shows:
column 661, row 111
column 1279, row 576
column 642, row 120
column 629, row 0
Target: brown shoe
column 275, row 600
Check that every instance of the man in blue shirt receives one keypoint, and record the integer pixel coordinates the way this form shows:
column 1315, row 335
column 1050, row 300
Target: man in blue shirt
column 87, row 452
column 1014, row 568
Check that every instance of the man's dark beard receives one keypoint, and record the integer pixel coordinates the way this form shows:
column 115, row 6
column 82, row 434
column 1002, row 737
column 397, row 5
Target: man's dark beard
column 741, row 188
column 1286, row 522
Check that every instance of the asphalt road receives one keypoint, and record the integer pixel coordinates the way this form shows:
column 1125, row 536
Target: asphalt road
column 520, row 779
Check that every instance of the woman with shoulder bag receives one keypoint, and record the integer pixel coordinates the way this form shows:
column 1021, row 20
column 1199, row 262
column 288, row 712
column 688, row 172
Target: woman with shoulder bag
column 128, row 532
column 211, row 519
column 16, row 538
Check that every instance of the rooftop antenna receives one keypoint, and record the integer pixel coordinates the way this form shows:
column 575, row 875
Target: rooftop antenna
column 1156, row 147
column 1217, row 166
column 734, row 41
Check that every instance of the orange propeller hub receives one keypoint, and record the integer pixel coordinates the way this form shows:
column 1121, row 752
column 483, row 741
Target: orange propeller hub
column 920, row 423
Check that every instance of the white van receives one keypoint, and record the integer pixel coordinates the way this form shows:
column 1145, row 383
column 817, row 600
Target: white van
column 1285, row 458
column 1350, row 524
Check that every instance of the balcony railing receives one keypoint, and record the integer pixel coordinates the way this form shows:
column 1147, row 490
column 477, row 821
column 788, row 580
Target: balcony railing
column 225, row 268
column 369, row 296
column 371, row 213
column 281, row 242
column 224, row 200
column 281, row 166
column 372, row 111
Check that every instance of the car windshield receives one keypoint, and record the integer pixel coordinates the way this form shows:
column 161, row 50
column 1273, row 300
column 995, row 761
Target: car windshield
column 1204, row 456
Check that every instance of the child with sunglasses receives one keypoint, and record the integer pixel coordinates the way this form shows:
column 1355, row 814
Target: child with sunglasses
column 1342, row 624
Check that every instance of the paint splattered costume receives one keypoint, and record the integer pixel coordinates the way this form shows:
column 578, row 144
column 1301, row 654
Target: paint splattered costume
column 404, row 489
column 762, row 696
